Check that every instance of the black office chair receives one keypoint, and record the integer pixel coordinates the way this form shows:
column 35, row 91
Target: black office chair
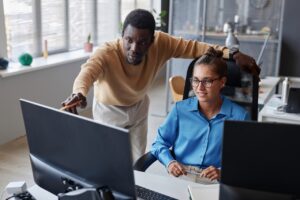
column 234, row 80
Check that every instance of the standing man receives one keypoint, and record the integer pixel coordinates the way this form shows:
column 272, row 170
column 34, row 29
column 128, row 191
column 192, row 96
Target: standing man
column 123, row 70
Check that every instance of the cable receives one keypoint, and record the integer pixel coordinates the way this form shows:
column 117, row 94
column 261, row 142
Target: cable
column 10, row 197
column 24, row 195
column 263, row 49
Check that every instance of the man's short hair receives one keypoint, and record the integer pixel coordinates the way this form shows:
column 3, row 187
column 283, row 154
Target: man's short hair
column 141, row 19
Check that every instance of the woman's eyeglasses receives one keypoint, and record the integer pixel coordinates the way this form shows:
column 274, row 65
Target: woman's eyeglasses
column 207, row 83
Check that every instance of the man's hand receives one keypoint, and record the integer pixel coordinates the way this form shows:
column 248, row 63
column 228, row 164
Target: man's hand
column 75, row 100
column 247, row 63
column 176, row 169
column 212, row 173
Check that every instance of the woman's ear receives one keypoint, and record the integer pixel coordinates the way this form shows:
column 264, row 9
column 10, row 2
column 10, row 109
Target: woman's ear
column 223, row 81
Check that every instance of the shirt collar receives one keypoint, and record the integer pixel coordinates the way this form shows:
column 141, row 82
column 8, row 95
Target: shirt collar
column 194, row 104
column 225, row 108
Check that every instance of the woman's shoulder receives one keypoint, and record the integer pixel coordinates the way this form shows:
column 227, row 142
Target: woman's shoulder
column 188, row 103
column 235, row 108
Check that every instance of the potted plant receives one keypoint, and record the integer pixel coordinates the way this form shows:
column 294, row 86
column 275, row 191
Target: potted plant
column 160, row 19
column 88, row 46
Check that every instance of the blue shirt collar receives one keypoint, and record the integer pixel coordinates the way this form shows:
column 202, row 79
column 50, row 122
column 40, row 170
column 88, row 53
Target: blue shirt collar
column 193, row 103
column 225, row 108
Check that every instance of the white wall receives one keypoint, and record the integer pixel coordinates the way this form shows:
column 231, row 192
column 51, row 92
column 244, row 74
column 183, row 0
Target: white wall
column 48, row 86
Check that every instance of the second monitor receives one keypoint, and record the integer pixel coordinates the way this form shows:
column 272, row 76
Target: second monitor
column 260, row 159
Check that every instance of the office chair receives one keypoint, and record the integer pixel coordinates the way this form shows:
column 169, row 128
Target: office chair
column 234, row 79
column 177, row 87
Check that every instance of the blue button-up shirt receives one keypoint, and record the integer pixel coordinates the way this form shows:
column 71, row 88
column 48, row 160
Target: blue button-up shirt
column 195, row 139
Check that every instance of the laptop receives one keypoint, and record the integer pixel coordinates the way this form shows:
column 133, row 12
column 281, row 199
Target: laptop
column 293, row 105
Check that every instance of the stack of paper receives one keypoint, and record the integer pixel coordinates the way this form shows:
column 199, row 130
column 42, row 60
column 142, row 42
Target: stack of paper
column 204, row 192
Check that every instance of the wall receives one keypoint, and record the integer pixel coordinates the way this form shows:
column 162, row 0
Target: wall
column 48, row 86
column 290, row 59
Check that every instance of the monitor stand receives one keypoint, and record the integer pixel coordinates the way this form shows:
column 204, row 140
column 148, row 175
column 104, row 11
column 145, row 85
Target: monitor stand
column 103, row 193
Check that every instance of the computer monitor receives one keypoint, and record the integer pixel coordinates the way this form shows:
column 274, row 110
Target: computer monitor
column 68, row 152
column 260, row 160
column 293, row 105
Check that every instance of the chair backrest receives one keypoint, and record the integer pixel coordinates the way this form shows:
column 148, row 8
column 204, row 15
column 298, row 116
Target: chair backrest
column 238, row 87
column 177, row 87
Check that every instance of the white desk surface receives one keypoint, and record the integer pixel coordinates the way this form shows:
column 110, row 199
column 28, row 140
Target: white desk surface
column 170, row 186
column 267, row 87
column 270, row 114
column 294, row 81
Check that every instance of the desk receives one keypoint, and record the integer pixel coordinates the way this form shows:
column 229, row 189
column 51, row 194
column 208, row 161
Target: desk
column 270, row 114
column 267, row 88
column 170, row 186
column 294, row 81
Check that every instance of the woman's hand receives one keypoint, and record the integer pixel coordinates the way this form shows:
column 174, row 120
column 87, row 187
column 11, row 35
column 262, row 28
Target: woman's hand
column 211, row 173
column 176, row 169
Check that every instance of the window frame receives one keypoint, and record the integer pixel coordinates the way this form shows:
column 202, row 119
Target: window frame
column 3, row 43
column 37, row 23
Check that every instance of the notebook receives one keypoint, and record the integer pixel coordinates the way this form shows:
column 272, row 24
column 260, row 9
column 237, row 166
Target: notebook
column 293, row 105
column 204, row 192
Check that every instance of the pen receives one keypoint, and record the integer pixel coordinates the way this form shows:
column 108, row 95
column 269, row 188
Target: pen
column 70, row 106
column 181, row 171
column 194, row 173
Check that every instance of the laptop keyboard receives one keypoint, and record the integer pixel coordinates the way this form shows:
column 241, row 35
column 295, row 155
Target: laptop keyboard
column 147, row 194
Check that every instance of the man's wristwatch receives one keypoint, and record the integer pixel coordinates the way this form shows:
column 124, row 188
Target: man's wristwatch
column 232, row 52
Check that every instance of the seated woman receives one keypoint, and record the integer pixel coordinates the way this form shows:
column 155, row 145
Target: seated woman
column 194, row 127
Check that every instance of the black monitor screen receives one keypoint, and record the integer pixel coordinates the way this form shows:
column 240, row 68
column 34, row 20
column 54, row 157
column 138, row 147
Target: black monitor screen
column 68, row 148
column 262, row 156
column 293, row 101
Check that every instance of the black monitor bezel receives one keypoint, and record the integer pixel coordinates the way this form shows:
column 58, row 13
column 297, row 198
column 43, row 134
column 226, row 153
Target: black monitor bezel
column 244, row 164
column 49, row 170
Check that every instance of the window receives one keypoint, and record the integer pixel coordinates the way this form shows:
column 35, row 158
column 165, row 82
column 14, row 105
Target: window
column 108, row 20
column 54, row 23
column 128, row 5
column 65, row 24
column 20, row 28
column 81, row 17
